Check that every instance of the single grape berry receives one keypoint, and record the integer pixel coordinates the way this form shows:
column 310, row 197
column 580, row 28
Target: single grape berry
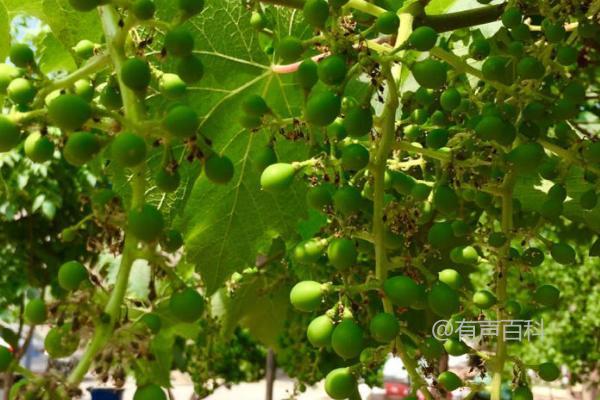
column 340, row 384
column 358, row 121
column 332, row 70
column 445, row 199
column 384, row 327
column 423, row 38
column 451, row 278
column 484, row 299
column 10, row 134
column 306, row 296
column 511, row 17
column 277, row 177
column 553, row 31
column 307, row 75
column 152, row 322
column 533, row 256
column 342, row 253
column 562, row 253
column 464, row 255
column 179, row 42
column 6, row 358
column 182, row 121
column 186, row 305
column 60, row 341
column 258, row 20
column 440, row 235
column 522, row 393
column 167, row 181
column 443, row 300
column 80, row 148
column 255, row 105
column 547, row 295
column 290, row 49
column 218, row 169
column 430, row 73
column 21, row 91
column 498, row 68
column 497, row 239
column 149, row 392
column 69, row 111
column 320, row 196
column 521, row 32
column 36, row 312
column 172, row 86
column 355, row 157
column 135, row 74
column 309, row 251
column 530, row 68
column 84, row 5
column 146, row 223
column 110, row 97
column 479, row 49
column 347, row 339
column 316, row 12
column 402, row 291
column 455, row 347
column 84, row 89
column 21, row 55
column 84, row 49
column 449, row 380
column 171, row 241
column 322, row 108
column 548, row 371
column 402, row 182
column 128, row 149
column 588, row 199
column 566, row 55
column 191, row 7
column 450, row 99
column 143, row 9
column 347, row 200
column 431, row 348
column 71, row 274
column 526, row 157
column 190, row 69
column 388, row 23
column 38, row 148
column 513, row 308
column 319, row 331
column 7, row 74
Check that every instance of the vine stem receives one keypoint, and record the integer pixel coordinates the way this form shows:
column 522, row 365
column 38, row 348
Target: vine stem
column 115, row 42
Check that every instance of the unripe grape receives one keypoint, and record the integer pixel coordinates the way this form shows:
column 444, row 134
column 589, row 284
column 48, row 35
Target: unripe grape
column 530, row 68
column 316, row 12
column 143, row 9
column 182, row 121
column 347, row 200
column 347, row 339
column 445, row 199
column 332, row 70
column 423, row 38
column 84, row 49
column 526, row 157
column 152, row 322
column 430, row 73
column 21, row 55
column 588, row 199
column 190, row 69
column 187, row 305
column 575, row 92
column 437, row 138
column 516, row 49
column 149, row 392
column 255, row 105
column 179, row 42
column 21, row 91
column 60, row 341
column 566, row 55
column 455, row 347
column 443, row 300
column 498, row 68
column 135, row 74
column 35, row 312
column 319, row 331
column 440, row 235
column 110, row 97
column 342, row 253
column 7, row 74
column 547, row 295
column 322, row 108
column 451, row 278
column 484, row 299
column 402, row 182
column 71, row 274
column 591, row 153
column 497, row 239
column 258, row 20
column 384, row 327
column 533, row 257
column 548, row 371
column 309, row 251
column 450, row 99
column 81, row 147
column 306, row 296
column 460, row 228
column 479, row 48
column 553, row 31
column 562, row 253
column 38, row 148
column 128, row 149
column 307, row 75
column 511, row 17
column 218, row 169
column 146, row 223
column 512, row 308
column 191, row 7
column 355, row 157
column 340, row 384
column 277, row 177
column 10, row 135
column 6, row 358
column 84, row 5
column 290, row 49
column 264, row 157
column 171, row 241
column 84, row 89
column 402, row 291
column 167, row 181
column 358, row 121
column 388, row 23
column 449, row 381
column 172, row 86
column 69, row 111
column 522, row 393
column 464, row 255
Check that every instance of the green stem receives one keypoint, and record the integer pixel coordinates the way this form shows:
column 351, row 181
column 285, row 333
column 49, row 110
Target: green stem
column 368, row 8
column 463, row 19
column 567, row 155
column 435, row 154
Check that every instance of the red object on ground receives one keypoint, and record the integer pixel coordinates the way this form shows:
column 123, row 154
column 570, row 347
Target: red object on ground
column 396, row 390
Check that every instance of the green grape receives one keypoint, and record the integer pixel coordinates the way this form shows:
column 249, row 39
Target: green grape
column 307, row 296
column 575, row 92
column 146, row 223
column 522, row 393
column 402, row 182
column 498, row 68
column 38, row 148
column 320, row 196
column 553, row 31
column 110, row 97
column 388, row 23
column 451, row 278
column 511, row 17
column 10, row 135
column 186, row 305
column 143, row 9
column 347, row 339
column 172, row 86
column 218, row 169
column 355, row 157
column 347, row 200
column 258, row 20
column 309, row 251
column 21, row 91
column 264, row 157
column 384, row 327
column 277, row 177
column 440, row 235
column 71, row 274
column 529, row 129
column 547, row 295
column 464, row 255
column 521, row 32
column 423, row 38
column 533, row 257
column 191, row 7
column 419, row 116
column 358, row 121
column 84, row 49
column 255, row 105
column 290, row 49
column 319, row 331
column 591, row 153
column 316, row 12
column 443, row 300
column 128, row 149
column 437, row 138
column 551, row 208
column 135, row 74
column 449, row 381
column 526, row 157
column 61, row 342
column 171, row 241
column 516, row 49
column 322, row 108
column 402, row 291
column 430, row 73
column 439, row 118
column 149, row 392
column 182, row 121
column 450, row 99
column 445, row 199
column 152, row 322
column 512, row 308
column 84, row 89
column 530, row 68
column 167, row 181
column 336, row 130
column 84, row 5
column 36, row 312
column 342, row 253
column 588, row 199
column 497, row 239
column 455, row 347
column 484, row 299
column 566, row 55
column 69, row 111
column 190, row 69
column 21, row 55
column 80, row 148
column 558, row 191
column 179, row 42
column 479, row 49
column 431, row 348
column 332, row 70
column 534, row 111
column 7, row 74
column 340, row 384
column 548, row 371
column 562, row 253
column 307, row 75
column 6, row 358
column 424, row 97
column 564, row 109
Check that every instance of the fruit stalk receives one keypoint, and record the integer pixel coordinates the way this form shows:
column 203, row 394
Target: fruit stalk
column 463, row 19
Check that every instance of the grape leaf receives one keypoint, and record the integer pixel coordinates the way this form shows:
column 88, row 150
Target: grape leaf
column 4, row 31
